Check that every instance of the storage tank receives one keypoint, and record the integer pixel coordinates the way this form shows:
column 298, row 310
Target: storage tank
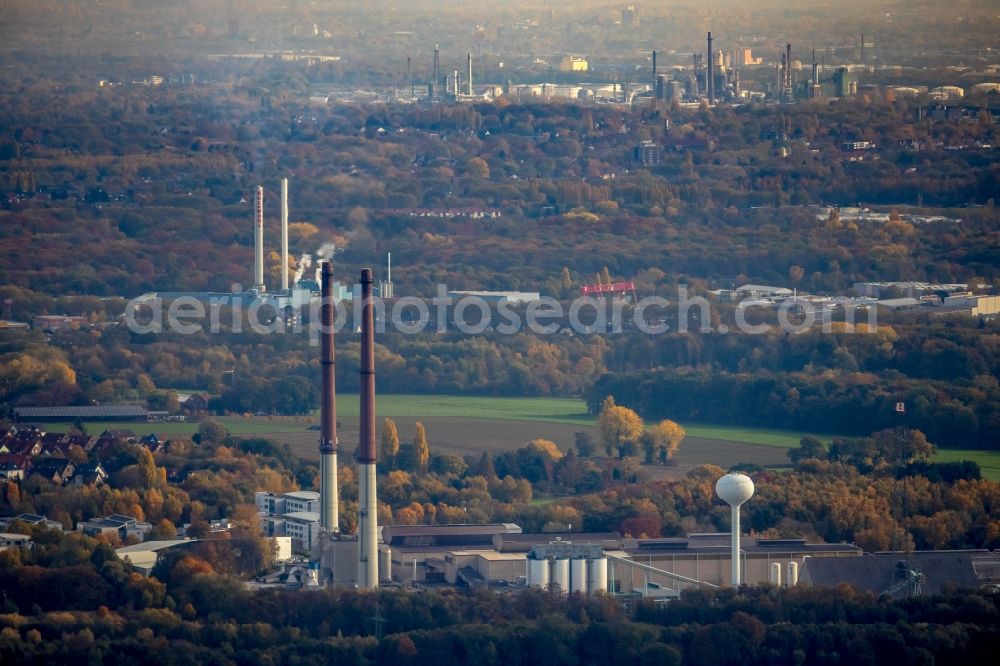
column 538, row 573
column 560, row 574
column 597, row 570
column 792, row 574
column 985, row 88
column 775, row 577
column 578, row 576
column 385, row 564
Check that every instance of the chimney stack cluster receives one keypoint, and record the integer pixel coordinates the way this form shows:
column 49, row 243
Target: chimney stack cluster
column 258, row 238
column 367, row 572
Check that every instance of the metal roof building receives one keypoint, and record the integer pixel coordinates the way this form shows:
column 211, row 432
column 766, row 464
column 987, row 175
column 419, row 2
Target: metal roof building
column 92, row 412
column 895, row 574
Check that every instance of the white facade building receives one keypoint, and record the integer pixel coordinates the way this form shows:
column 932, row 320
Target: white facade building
column 277, row 504
column 293, row 514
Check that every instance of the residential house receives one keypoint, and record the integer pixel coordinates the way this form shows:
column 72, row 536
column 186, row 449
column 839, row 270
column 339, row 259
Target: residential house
column 155, row 442
column 54, row 445
column 56, row 470
column 120, row 433
column 23, row 442
column 196, row 403
column 89, row 474
column 14, row 467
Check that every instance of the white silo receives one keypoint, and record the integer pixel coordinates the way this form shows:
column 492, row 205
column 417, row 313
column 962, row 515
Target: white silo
column 578, row 575
column 538, row 573
column 598, row 575
column 560, row 574
column 734, row 490
column 775, row 577
column 792, row 574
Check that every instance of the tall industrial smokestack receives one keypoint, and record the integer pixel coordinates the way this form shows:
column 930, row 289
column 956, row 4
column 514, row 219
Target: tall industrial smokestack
column 329, row 516
column 787, row 83
column 258, row 240
column 655, row 91
column 468, row 75
column 284, row 234
column 710, row 83
column 436, row 75
column 817, row 89
column 367, row 499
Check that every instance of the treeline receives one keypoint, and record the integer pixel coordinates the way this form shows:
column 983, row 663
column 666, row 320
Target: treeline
column 952, row 415
column 209, row 619
column 279, row 373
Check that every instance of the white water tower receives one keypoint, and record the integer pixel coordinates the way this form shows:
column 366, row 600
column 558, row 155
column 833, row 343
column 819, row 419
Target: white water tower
column 734, row 490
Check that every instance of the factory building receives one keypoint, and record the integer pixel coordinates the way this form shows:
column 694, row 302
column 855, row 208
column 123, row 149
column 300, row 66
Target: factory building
column 511, row 297
column 500, row 555
column 419, row 553
column 706, row 558
column 572, row 63
column 911, row 289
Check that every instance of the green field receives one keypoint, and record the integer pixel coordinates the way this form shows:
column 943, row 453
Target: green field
column 468, row 409
column 547, row 410
column 989, row 461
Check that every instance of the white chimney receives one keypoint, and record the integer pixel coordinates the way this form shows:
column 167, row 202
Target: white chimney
column 258, row 238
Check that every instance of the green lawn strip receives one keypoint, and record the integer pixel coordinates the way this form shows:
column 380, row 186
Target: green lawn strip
column 786, row 439
column 550, row 410
column 988, row 461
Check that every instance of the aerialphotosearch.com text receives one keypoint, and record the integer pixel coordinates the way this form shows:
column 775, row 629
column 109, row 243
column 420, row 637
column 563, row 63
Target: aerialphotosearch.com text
column 474, row 315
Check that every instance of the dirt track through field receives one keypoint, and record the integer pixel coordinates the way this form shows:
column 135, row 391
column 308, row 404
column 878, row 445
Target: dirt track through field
column 470, row 437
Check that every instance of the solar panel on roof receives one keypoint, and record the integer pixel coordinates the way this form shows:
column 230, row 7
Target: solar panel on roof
column 82, row 411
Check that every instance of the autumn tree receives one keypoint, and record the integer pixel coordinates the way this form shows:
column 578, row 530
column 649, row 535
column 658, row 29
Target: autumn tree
column 620, row 428
column 148, row 474
column 212, row 432
column 584, row 443
column 477, row 168
column 565, row 282
column 389, row 445
column 421, row 449
column 809, row 447
column 484, row 467
column 902, row 446
column 662, row 440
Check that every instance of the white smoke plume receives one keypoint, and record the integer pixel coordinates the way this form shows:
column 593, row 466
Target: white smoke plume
column 304, row 263
column 324, row 253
